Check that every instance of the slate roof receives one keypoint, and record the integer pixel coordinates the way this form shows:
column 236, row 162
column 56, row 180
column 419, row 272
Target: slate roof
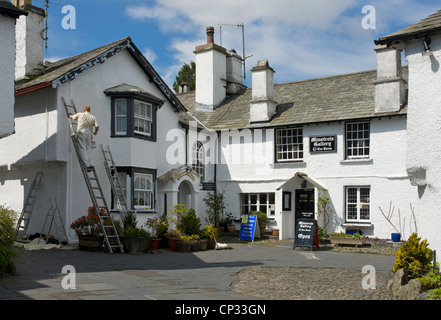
column 67, row 69
column 425, row 27
column 321, row 100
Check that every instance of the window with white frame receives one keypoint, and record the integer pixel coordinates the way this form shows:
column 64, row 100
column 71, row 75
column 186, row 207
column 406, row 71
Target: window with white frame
column 264, row 202
column 358, row 204
column 121, row 116
column 357, row 140
column 138, row 186
column 142, row 191
column 198, row 159
column 289, row 144
column 142, row 118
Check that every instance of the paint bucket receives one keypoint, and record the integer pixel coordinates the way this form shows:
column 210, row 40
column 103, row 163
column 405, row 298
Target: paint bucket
column 396, row 237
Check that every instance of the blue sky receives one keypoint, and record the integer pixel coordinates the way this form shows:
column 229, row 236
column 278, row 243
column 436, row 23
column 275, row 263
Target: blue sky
column 301, row 39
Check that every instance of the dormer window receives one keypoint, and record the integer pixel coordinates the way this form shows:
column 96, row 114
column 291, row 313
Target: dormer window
column 133, row 112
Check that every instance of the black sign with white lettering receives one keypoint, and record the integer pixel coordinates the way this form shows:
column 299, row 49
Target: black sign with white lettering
column 323, row 144
column 208, row 186
column 304, row 233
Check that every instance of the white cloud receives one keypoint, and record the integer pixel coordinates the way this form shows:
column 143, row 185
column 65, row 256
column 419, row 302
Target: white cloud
column 150, row 55
column 300, row 38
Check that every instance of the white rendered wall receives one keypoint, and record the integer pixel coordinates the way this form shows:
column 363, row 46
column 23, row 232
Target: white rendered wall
column 423, row 157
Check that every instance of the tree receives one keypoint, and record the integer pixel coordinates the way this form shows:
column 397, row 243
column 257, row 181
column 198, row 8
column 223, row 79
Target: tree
column 187, row 75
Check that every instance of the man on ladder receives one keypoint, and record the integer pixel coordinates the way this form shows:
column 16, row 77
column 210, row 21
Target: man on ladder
column 86, row 123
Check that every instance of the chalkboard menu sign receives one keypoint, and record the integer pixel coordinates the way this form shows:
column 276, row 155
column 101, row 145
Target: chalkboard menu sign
column 323, row 144
column 306, row 233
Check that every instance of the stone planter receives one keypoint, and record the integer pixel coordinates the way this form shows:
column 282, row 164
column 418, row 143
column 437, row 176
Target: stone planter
column 90, row 243
column 183, row 246
column 203, row 244
column 195, row 245
column 211, row 244
column 136, row 244
column 348, row 241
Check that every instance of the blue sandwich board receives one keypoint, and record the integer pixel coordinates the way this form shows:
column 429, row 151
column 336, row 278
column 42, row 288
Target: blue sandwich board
column 249, row 228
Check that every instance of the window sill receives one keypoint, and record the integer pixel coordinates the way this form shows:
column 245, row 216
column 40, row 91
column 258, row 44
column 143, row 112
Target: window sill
column 357, row 224
column 357, row 161
column 299, row 164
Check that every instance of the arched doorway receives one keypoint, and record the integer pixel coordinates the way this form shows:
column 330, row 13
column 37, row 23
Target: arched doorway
column 186, row 194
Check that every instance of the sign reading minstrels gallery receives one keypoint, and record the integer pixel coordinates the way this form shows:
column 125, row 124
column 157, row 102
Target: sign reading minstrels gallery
column 323, row 144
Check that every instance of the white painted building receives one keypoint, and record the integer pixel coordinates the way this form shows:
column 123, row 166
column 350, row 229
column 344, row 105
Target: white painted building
column 421, row 43
column 135, row 110
column 280, row 148
column 8, row 16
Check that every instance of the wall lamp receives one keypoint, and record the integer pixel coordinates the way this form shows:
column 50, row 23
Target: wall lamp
column 426, row 44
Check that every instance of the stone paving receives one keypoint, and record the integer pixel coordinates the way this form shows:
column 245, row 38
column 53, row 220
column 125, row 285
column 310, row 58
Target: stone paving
column 246, row 272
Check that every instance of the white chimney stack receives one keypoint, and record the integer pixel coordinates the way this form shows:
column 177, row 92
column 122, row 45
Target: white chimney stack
column 210, row 73
column 263, row 106
column 29, row 40
column 389, row 87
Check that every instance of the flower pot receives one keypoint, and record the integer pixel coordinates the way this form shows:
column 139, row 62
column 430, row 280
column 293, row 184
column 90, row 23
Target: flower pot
column 154, row 243
column 172, row 243
column 396, row 237
column 276, row 232
column 203, row 244
column 211, row 244
column 231, row 229
column 220, row 231
column 348, row 241
column 183, row 246
column 195, row 245
column 136, row 244
column 262, row 229
column 90, row 243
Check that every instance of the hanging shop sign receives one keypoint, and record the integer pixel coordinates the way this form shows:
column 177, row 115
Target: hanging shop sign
column 323, row 144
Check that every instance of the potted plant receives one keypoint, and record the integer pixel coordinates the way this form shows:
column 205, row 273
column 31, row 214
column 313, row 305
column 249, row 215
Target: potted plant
column 209, row 233
column 189, row 223
column 215, row 203
column 262, row 219
column 158, row 229
column 173, row 237
column 136, row 240
column 184, row 244
column 338, row 238
column 195, row 243
column 229, row 222
column 89, row 231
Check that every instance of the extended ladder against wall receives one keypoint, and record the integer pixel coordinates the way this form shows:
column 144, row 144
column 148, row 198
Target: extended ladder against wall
column 110, row 233
column 28, row 207
column 54, row 216
column 115, row 182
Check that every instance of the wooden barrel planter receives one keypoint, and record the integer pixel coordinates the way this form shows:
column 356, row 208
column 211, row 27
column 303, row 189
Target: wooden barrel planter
column 90, row 243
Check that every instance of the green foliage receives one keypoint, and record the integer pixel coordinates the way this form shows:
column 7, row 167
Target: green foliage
column 345, row 235
column 189, row 223
column 187, row 75
column 416, row 253
column 208, row 232
column 158, row 227
column 262, row 218
column 8, row 220
column 136, row 233
column 215, row 203
column 185, row 238
column 176, row 212
column 130, row 220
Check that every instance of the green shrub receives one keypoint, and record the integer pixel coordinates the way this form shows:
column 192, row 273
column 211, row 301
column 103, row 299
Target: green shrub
column 208, row 232
column 8, row 220
column 189, row 223
column 417, row 254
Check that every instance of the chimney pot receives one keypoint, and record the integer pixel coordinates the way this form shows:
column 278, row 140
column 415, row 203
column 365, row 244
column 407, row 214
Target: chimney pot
column 210, row 34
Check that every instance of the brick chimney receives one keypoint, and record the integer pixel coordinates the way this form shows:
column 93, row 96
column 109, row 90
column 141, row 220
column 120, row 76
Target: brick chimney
column 390, row 92
column 29, row 40
column 262, row 106
column 210, row 73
